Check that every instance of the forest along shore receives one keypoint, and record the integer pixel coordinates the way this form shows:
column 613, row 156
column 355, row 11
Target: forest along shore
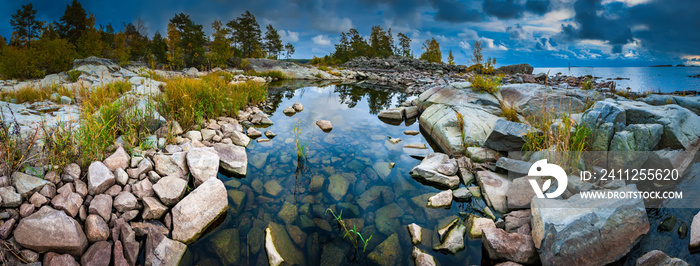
column 140, row 187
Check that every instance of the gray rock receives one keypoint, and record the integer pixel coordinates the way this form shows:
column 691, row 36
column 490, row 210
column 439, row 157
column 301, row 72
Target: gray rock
column 298, row 107
column 269, row 134
column 194, row 213
column 387, row 253
column 416, row 233
column 516, row 69
column 161, row 250
column 171, row 165
column 26, row 184
column 100, row 178
column 695, row 233
column 289, row 111
column 596, row 231
column 51, row 230
column 239, row 138
column 507, row 136
column 427, row 172
column 121, row 177
column 233, row 158
column 226, row 245
column 441, row 200
column 170, row 190
column 691, row 103
column 477, row 225
column 144, row 166
column 449, row 167
column 453, row 239
column 392, row 114
column 338, row 186
column 494, row 188
column 479, row 154
column 440, row 122
column 513, row 166
column 203, row 163
column 461, row 194
column 143, row 188
column 153, row 209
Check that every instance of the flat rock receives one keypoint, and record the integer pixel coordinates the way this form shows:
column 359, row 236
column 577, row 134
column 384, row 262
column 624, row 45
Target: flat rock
column 161, row 250
column 441, row 200
column 239, row 138
column 421, row 258
column 338, row 186
column 507, row 136
column 10, row 198
column 194, row 213
column 494, row 188
column 26, row 184
column 387, row 253
column 658, row 257
column 324, row 125
column 69, row 202
column 51, row 230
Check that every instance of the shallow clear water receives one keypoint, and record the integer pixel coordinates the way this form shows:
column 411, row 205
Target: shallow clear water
column 356, row 149
column 641, row 79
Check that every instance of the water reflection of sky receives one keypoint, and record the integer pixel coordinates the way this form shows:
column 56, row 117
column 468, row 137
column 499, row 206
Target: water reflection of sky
column 357, row 149
column 665, row 79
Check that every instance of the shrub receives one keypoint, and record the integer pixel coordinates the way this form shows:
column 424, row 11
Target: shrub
column 510, row 111
column 55, row 55
column 73, row 75
column 588, row 84
column 190, row 101
column 483, row 83
column 19, row 63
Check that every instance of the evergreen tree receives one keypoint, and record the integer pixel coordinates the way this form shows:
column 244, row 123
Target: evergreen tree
column 221, row 46
column 405, row 44
column 107, row 37
column 49, row 32
column 159, row 48
column 450, row 58
column 90, row 41
column 273, row 42
column 2, row 44
column 289, row 50
column 358, row 45
column 121, row 51
column 25, row 24
column 137, row 39
column 73, row 22
column 342, row 48
column 174, row 46
column 191, row 39
column 431, row 51
column 381, row 42
column 245, row 32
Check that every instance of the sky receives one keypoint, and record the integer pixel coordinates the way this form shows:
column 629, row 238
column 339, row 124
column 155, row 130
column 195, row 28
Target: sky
column 543, row 33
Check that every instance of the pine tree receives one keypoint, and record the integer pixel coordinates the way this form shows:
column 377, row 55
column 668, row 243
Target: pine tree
column 174, row 46
column 90, row 41
column 405, row 44
column 477, row 56
column 107, row 37
column 450, row 58
column 381, row 42
column 191, row 39
column 221, row 46
column 159, row 48
column 342, row 48
column 273, row 42
column 245, row 32
column 289, row 50
column 73, row 22
column 431, row 51
column 358, row 45
column 25, row 24
column 137, row 39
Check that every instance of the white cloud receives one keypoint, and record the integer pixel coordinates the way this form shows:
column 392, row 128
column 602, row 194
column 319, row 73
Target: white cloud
column 289, row 36
column 489, row 44
column 465, row 45
column 321, row 40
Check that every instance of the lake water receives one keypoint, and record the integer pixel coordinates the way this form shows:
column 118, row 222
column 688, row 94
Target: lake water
column 379, row 201
column 356, row 150
column 641, row 79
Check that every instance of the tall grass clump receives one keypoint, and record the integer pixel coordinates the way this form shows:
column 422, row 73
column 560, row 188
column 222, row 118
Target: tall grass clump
column 34, row 93
column 588, row 85
column 15, row 149
column 190, row 101
column 94, row 98
column 484, row 83
column 510, row 111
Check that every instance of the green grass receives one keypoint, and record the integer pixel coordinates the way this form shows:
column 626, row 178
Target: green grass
column 73, row 75
column 275, row 74
column 355, row 237
column 302, row 147
column 33, row 93
column 92, row 99
column 588, row 85
column 509, row 111
column 190, row 101
column 484, row 83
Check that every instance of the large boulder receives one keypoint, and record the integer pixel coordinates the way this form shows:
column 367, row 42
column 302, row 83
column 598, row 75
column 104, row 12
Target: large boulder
column 194, row 213
column 26, row 184
column 427, row 172
column 233, row 158
column 516, row 69
column 579, row 231
column 691, row 103
column 440, row 121
column 51, row 230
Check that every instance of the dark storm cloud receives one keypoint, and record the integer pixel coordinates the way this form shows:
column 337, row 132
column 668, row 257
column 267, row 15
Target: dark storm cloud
column 673, row 26
column 454, row 11
column 595, row 21
column 516, row 32
column 506, row 9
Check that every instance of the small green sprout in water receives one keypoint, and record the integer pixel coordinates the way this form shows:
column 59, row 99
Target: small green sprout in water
column 302, row 147
column 352, row 234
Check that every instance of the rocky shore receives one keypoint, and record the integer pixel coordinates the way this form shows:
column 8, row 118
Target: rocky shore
column 153, row 203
